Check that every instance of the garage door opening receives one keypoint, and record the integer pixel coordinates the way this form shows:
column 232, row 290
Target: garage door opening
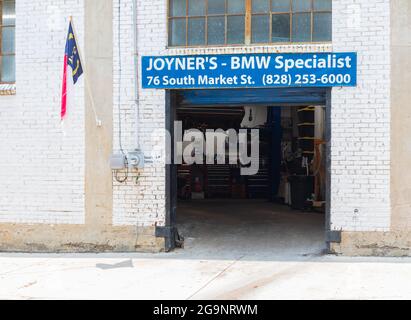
column 279, row 208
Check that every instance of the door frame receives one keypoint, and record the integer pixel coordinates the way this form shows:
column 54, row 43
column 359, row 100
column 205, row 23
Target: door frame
column 169, row 232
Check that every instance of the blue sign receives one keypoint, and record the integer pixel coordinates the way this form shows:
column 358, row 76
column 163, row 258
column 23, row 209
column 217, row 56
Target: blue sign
column 250, row 71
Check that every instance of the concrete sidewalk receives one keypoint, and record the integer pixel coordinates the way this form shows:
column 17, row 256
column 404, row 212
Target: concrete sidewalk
column 274, row 253
column 183, row 275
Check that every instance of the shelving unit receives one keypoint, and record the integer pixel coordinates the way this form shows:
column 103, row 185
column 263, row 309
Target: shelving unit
column 306, row 131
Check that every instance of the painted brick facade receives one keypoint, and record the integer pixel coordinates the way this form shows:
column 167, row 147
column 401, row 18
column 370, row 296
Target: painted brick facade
column 143, row 203
column 139, row 203
column 360, row 116
column 41, row 170
column 360, row 125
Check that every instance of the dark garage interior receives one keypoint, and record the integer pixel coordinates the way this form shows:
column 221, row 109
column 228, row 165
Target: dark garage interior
column 282, row 207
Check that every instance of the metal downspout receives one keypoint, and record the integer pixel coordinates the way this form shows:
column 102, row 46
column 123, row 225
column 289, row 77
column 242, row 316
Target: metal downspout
column 136, row 76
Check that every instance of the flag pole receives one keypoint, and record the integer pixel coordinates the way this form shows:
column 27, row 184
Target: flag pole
column 89, row 92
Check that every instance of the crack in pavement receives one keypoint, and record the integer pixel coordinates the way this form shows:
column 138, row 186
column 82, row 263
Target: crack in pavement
column 281, row 275
column 22, row 268
column 28, row 285
column 214, row 278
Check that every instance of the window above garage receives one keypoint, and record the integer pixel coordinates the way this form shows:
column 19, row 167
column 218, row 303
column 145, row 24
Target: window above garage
column 197, row 23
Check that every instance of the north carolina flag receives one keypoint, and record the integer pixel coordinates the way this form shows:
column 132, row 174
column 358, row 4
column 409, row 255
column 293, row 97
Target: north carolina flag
column 72, row 71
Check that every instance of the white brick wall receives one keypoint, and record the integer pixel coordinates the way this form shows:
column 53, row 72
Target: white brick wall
column 360, row 116
column 141, row 203
column 41, row 171
column 361, row 119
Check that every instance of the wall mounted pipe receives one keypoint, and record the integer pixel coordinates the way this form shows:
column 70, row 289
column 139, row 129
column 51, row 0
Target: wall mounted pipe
column 136, row 76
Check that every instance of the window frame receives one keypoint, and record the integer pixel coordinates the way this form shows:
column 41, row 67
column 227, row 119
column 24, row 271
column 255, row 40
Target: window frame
column 248, row 15
column 226, row 15
column 5, row 54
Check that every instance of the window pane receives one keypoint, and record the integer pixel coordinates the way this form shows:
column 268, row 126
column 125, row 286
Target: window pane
column 235, row 29
column 8, row 72
column 7, row 40
column 281, row 28
column 196, row 8
column 196, row 31
column 235, row 6
column 9, row 13
column 301, row 27
column 177, row 36
column 322, row 30
column 260, row 29
column 323, row 5
column 216, row 30
column 280, row 5
column 261, row 6
column 301, row 5
column 216, row 6
column 177, row 8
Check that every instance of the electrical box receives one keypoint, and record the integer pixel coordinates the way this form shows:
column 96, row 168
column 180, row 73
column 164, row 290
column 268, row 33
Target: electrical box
column 118, row 162
column 136, row 159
